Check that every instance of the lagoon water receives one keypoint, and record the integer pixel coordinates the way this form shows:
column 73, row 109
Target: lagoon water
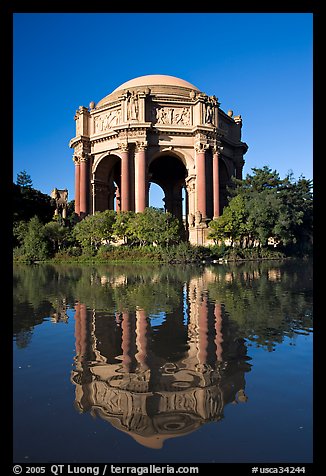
column 163, row 364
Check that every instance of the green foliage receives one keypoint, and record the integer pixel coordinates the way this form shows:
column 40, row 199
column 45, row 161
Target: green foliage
column 155, row 226
column 120, row 253
column 19, row 231
column 28, row 202
column 122, row 226
column 57, row 234
column 232, row 224
column 35, row 246
column 24, row 180
column 263, row 206
column 95, row 229
column 182, row 252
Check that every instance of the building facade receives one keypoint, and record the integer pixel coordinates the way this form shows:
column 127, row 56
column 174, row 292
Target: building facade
column 157, row 129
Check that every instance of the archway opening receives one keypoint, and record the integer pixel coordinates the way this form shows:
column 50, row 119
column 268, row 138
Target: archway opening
column 106, row 184
column 156, row 196
column 225, row 181
column 169, row 173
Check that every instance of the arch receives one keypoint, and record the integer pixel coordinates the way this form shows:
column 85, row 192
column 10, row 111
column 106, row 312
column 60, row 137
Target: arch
column 106, row 183
column 169, row 171
column 99, row 159
column 224, row 181
column 184, row 156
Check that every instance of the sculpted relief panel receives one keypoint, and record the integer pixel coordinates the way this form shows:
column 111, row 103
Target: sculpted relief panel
column 107, row 120
column 171, row 115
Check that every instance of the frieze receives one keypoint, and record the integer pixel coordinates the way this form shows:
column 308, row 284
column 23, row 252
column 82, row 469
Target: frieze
column 107, row 120
column 171, row 115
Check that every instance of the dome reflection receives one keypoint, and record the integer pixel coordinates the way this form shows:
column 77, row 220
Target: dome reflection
column 156, row 382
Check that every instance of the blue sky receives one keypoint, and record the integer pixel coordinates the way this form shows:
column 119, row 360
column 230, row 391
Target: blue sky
column 260, row 65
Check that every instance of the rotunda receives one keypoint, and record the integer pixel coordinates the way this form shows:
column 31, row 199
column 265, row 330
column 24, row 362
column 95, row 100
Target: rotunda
column 157, row 129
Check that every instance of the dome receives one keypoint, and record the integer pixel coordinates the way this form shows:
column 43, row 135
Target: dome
column 156, row 80
column 152, row 81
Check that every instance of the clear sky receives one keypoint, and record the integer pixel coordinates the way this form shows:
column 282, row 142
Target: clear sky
column 260, row 65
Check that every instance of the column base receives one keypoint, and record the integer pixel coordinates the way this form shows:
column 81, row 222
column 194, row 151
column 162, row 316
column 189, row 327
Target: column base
column 198, row 235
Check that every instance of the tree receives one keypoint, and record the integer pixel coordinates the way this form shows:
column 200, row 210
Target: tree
column 122, row 226
column 261, row 179
column 28, row 202
column 262, row 206
column 155, row 226
column 24, row 180
column 295, row 222
column 95, row 229
column 56, row 234
column 233, row 224
column 35, row 245
column 263, row 209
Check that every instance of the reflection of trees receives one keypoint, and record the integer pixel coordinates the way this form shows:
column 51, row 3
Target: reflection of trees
column 267, row 301
column 40, row 292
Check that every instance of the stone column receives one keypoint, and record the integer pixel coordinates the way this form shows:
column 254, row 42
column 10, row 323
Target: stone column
column 126, row 341
column 201, row 180
column 125, row 177
column 77, row 185
column 218, row 331
column 83, row 185
column 203, row 331
column 216, row 184
column 81, row 331
column 140, row 178
column 141, row 338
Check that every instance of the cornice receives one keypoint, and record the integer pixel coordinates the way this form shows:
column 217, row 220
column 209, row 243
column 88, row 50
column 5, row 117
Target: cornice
column 165, row 99
column 136, row 126
column 240, row 145
column 110, row 105
column 85, row 140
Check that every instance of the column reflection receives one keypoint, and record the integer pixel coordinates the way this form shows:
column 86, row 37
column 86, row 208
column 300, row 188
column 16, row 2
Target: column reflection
column 164, row 380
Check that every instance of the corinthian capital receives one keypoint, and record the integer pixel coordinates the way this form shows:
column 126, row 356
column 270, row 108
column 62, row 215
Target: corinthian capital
column 200, row 147
column 141, row 145
column 217, row 148
column 84, row 157
column 123, row 146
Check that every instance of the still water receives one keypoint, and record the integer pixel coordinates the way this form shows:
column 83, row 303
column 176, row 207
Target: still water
column 170, row 364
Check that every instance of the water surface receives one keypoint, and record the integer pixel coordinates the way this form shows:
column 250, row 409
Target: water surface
column 163, row 363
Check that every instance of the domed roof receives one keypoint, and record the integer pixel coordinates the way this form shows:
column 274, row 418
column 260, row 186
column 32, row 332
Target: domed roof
column 156, row 80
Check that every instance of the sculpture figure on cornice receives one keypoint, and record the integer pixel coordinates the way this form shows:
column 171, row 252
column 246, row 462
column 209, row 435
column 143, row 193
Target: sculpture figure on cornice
column 132, row 109
column 209, row 113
